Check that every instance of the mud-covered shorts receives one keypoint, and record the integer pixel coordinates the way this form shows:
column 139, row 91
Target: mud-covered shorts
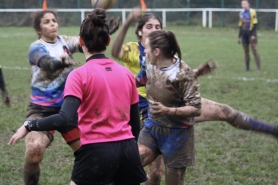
column 110, row 162
column 246, row 38
column 175, row 144
column 34, row 111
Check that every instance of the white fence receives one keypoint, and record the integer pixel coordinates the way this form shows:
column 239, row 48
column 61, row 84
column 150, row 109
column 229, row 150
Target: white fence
column 206, row 13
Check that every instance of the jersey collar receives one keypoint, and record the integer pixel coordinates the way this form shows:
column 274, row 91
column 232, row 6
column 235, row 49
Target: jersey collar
column 96, row 56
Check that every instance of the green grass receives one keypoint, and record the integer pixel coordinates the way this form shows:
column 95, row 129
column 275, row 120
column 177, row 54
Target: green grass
column 224, row 155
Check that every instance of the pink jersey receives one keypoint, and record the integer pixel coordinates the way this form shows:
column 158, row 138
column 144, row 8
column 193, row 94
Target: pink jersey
column 106, row 90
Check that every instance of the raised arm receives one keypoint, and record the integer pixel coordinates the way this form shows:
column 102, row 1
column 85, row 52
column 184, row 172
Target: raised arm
column 116, row 50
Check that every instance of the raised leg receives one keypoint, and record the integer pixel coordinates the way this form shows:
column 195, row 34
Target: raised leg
column 213, row 111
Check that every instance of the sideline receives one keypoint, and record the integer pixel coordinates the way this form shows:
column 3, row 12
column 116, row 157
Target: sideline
column 244, row 79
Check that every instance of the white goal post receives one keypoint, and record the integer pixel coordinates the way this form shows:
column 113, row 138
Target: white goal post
column 206, row 13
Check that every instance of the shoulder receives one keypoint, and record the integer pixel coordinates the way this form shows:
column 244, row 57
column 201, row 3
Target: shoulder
column 130, row 46
column 37, row 46
column 78, row 73
column 67, row 38
column 37, row 43
column 186, row 72
column 131, row 43
column 70, row 40
column 252, row 12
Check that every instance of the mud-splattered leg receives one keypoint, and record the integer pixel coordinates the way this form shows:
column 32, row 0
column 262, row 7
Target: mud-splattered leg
column 213, row 111
column 174, row 176
column 36, row 143
column 146, row 154
column 257, row 56
column 247, row 56
column 3, row 90
column 155, row 171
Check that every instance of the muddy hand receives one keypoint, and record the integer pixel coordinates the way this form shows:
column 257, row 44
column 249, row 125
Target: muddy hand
column 136, row 13
column 20, row 133
column 206, row 68
column 113, row 25
column 67, row 60
column 157, row 109
column 238, row 41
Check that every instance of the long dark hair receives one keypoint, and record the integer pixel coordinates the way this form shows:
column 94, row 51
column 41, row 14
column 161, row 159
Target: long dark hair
column 166, row 41
column 94, row 31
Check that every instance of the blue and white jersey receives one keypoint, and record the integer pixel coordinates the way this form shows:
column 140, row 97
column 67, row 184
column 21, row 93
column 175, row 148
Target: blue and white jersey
column 47, row 87
column 246, row 18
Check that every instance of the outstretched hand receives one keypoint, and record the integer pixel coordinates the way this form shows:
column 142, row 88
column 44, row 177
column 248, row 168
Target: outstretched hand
column 136, row 13
column 238, row 41
column 206, row 68
column 67, row 60
column 20, row 133
column 113, row 25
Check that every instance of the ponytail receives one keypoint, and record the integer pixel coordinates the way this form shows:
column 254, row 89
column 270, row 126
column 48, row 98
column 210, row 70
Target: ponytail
column 173, row 43
column 166, row 41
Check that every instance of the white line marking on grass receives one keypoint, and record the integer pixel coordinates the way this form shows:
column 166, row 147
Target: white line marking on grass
column 15, row 68
column 245, row 79
column 208, row 77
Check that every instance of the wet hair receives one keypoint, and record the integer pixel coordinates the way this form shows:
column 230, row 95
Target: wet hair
column 166, row 41
column 37, row 16
column 142, row 21
column 94, row 31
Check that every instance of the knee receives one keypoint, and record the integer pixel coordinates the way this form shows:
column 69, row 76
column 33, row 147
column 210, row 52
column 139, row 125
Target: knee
column 254, row 47
column 34, row 153
column 246, row 53
column 227, row 113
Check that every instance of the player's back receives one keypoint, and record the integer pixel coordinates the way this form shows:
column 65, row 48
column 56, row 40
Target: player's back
column 107, row 90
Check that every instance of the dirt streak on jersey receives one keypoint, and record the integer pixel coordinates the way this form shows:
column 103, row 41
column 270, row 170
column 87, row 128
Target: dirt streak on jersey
column 47, row 87
column 173, row 86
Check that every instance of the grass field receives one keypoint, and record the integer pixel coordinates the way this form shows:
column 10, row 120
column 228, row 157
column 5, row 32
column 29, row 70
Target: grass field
column 224, row 155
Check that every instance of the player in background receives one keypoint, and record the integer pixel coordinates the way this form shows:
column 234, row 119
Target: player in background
column 107, row 117
column 4, row 92
column 248, row 33
column 132, row 54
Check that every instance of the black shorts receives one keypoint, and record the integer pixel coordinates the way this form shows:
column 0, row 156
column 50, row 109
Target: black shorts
column 103, row 163
column 246, row 38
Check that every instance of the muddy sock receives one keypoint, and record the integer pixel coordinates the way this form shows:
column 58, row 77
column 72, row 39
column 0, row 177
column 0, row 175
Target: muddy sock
column 31, row 174
column 257, row 59
column 247, row 62
column 247, row 123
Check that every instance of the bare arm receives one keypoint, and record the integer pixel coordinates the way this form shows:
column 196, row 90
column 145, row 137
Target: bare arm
column 116, row 50
column 158, row 109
